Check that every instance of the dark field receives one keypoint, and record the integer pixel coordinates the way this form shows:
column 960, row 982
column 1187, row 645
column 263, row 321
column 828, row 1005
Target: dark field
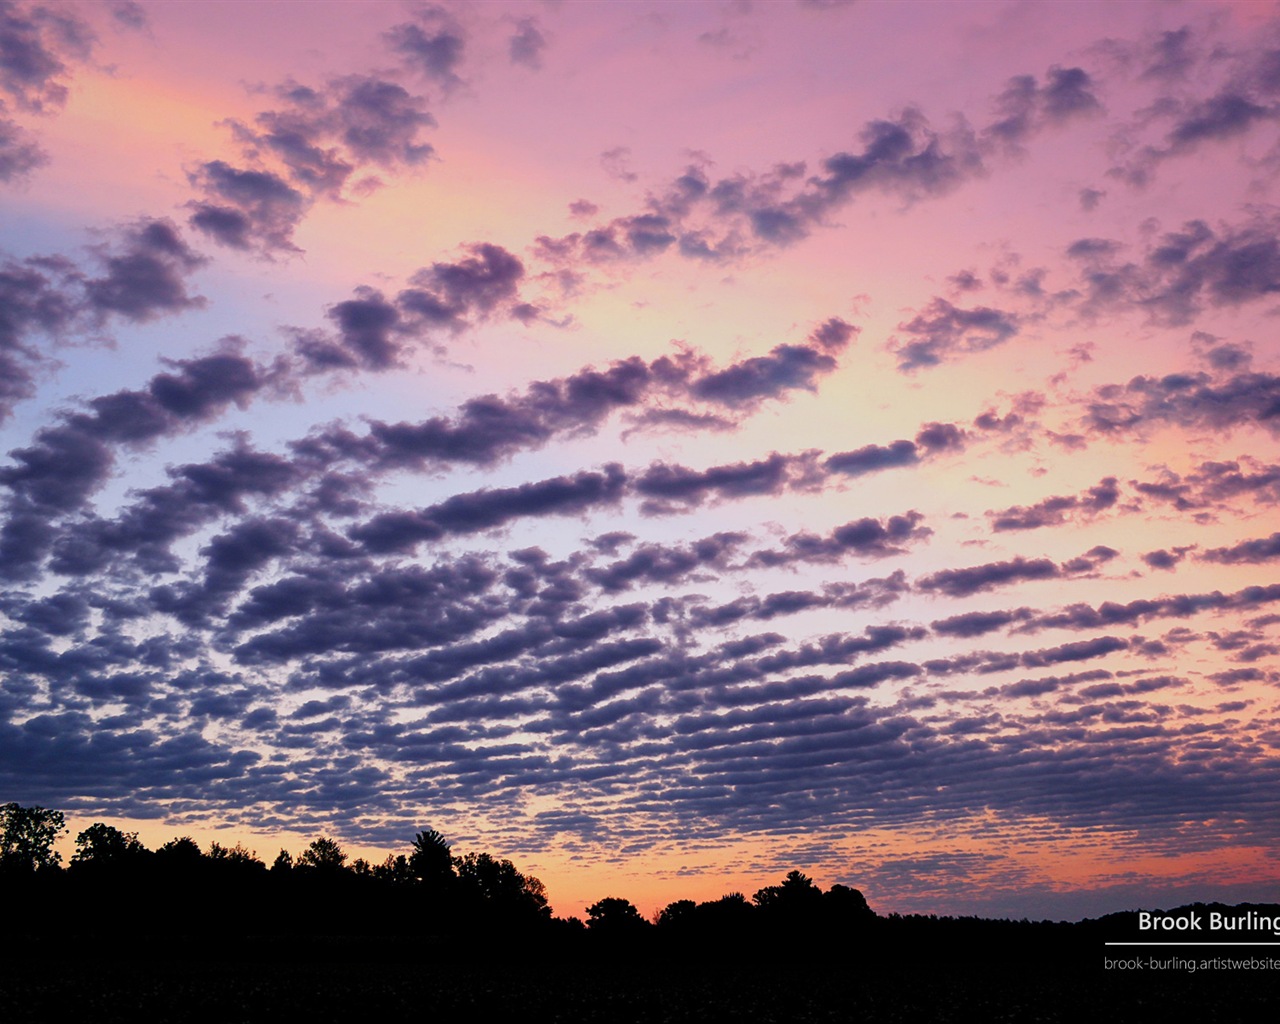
column 508, row 984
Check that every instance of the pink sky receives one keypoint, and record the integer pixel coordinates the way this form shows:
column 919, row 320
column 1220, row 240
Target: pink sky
column 663, row 444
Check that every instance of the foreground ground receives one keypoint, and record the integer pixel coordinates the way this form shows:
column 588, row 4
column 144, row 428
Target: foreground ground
column 493, row 982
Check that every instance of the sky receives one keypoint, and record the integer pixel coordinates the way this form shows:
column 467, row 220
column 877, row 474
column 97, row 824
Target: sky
column 665, row 444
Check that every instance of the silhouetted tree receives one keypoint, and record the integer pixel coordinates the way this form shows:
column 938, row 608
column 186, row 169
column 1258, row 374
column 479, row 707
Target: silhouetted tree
column 676, row 916
column 324, row 855
column 847, row 906
column 283, row 863
column 796, row 895
column 395, row 870
column 104, row 846
column 27, row 835
column 180, row 854
column 721, row 925
column 431, row 859
column 234, row 868
column 615, row 916
column 239, row 856
column 730, row 914
column 500, row 888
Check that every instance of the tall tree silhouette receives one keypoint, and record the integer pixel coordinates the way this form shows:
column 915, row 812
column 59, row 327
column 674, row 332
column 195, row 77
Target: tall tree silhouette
column 27, row 835
column 431, row 859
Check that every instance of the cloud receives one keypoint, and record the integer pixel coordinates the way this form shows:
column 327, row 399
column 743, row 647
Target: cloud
column 1188, row 401
column 322, row 136
column 1162, row 559
column 489, row 508
column 872, row 457
column 367, row 326
column 129, row 14
column 375, row 333
column 1090, row 198
column 667, row 564
column 490, row 427
column 942, row 331
column 1183, row 273
column 931, row 439
column 1222, row 481
column 978, row 578
column 1056, row 510
column 145, row 274
column 527, row 44
column 142, row 533
column 352, row 649
column 39, row 43
column 32, row 302
column 672, row 488
column 903, row 156
column 393, row 608
column 873, row 593
column 1081, row 650
column 433, row 45
column 42, row 45
column 249, row 208
column 941, row 437
column 1189, row 122
column 231, row 558
column 1171, row 56
column 20, row 154
column 867, row 538
column 308, row 150
column 1111, row 613
column 784, row 368
column 477, row 283
column 378, row 122
column 68, row 461
column 1025, row 107
column 971, row 624
column 1220, row 117
column 1247, row 552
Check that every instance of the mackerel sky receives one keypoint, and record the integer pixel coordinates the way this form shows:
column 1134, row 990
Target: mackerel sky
column 662, row 443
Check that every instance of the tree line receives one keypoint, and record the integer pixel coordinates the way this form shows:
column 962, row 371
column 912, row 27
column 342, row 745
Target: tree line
column 113, row 877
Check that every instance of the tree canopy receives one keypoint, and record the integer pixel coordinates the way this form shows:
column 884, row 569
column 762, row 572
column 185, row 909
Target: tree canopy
column 322, row 888
column 324, row 854
column 27, row 835
column 106, row 844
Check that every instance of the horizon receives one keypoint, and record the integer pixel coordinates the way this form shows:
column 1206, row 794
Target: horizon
column 1087, row 905
column 663, row 445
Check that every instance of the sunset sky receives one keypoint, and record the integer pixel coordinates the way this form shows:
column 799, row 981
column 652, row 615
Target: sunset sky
column 665, row 444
